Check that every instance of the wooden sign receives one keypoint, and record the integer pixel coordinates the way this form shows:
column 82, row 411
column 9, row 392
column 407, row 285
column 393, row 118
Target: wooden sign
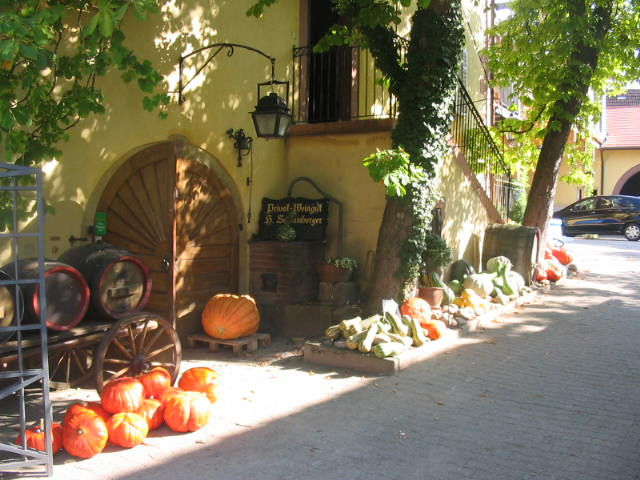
column 309, row 217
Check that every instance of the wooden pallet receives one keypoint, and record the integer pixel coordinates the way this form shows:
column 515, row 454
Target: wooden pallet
column 238, row 345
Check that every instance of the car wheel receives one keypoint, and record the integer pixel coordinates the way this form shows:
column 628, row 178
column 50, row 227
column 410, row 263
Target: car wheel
column 632, row 232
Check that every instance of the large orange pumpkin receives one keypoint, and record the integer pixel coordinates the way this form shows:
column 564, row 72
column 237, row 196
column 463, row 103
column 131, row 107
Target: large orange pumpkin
column 127, row 429
column 187, row 411
column 417, row 308
column 152, row 410
column 84, row 434
column 227, row 316
column 155, row 382
column 36, row 438
column 123, row 394
column 200, row 379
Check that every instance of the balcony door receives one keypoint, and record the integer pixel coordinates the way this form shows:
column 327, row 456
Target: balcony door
column 330, row 79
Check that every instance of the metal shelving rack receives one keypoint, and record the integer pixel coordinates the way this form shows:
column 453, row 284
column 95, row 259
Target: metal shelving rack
column 28, row 387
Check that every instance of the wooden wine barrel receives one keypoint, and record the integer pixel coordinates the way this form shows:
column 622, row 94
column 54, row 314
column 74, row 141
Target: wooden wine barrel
column 120, row 283
column 11, row 306
column 66, row 293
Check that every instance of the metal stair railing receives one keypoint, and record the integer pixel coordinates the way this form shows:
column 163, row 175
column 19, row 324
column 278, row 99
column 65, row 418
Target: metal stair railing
column 472, row 137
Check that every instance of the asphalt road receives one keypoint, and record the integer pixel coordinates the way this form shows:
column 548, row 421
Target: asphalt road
column 551, row 391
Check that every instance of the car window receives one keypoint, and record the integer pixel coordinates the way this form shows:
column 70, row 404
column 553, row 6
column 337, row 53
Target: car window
column 605, row 203
column 588, row 204
column 624, row 203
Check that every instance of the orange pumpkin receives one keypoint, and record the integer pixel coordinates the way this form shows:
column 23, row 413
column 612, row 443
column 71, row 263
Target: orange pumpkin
column 84, row 434
column 170, row 392
column 94, row 407
column 417, row 308
column 187, row 411
column 36, row 438
column 200, row 379
column 127, row 429
column 155, row 382
column 152, row 410
column 436, row 328
column 227, row 316
column 123, row 394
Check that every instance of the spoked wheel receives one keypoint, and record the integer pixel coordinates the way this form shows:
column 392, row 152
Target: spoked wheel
column 71, row 366
column 135, row 344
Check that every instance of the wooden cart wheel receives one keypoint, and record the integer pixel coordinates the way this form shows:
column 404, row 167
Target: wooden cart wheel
column 71, row 366
column 136, row 343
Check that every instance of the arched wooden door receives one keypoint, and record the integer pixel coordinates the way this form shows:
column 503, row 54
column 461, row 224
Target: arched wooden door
column 176, row 215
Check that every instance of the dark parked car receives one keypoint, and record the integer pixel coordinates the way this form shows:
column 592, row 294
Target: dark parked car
column 610, row 214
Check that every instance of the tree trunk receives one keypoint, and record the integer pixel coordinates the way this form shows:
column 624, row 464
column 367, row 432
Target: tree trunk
column 581, row 66
column 545, row 178
column 396, row 226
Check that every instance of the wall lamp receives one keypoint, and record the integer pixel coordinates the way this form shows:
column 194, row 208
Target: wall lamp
column 241, row 142
column 271, row 116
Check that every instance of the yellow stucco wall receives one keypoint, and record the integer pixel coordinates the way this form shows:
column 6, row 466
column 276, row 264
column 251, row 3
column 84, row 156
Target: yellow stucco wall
column 616, row 164
column 220, row 98
column 566, row 193
column 334, row 163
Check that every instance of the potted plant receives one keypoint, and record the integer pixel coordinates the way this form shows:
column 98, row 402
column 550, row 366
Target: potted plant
column 336, row 269
column 436, row 255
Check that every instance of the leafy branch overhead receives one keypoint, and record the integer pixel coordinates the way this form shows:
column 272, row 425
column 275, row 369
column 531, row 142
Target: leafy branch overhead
column 560, row 57
column 51, row 54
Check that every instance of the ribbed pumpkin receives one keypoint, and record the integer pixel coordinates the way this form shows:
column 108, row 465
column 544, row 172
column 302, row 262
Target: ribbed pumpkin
column 187, row 411
column 152, row 410
column 417, row 308
column 201, row 379
column 36, row 439
column 94, row 407
column 155, row 382
column 127, row 429
column 84, row 434
column 229, row 316
column 123, row 394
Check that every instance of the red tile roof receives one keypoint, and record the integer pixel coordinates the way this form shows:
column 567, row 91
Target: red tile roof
column 623, row 121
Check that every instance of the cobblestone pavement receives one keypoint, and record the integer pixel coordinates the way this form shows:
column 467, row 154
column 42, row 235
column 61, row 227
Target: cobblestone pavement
column 551, row 391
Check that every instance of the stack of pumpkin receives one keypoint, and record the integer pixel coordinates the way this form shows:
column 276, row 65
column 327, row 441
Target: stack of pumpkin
column 388, row 334
column 129, row 409
column 554, row 265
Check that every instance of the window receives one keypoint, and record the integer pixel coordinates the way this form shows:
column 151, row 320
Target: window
column 588, row 204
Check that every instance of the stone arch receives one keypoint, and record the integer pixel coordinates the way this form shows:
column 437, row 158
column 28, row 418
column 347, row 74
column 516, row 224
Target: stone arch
column 628, row 175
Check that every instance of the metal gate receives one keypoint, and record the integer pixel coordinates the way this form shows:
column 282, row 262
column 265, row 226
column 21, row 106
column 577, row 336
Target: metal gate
column 24, row 389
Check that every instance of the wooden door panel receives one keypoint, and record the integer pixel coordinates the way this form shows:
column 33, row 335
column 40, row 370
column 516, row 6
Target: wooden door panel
column 206, row 241
column 139, row 204
column 192, row 254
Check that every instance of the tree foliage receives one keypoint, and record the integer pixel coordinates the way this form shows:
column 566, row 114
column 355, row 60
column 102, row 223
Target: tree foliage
column 560, row 56
column 420, row 70
column 51, row 53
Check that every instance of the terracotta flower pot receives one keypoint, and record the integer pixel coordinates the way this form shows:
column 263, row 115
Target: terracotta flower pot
column 332, row 274
column 433, row 295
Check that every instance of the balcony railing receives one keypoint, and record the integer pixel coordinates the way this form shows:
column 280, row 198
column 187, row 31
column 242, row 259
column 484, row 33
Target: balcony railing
column 343, row 84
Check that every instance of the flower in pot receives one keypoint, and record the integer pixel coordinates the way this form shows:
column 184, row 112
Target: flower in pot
column 435, row 257
column 336, row 269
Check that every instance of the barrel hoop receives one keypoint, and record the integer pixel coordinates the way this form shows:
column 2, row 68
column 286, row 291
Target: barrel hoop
column 84, row 290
